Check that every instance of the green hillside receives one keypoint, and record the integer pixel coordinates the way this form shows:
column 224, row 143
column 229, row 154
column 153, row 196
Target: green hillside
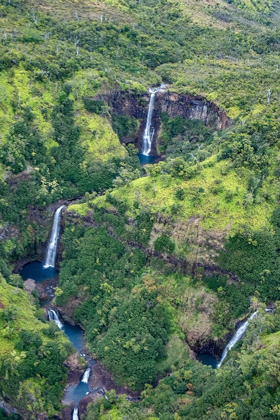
column 157, row 263
column 32, row 354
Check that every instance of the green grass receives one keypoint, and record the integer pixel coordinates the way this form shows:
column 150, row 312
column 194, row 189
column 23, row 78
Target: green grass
column 205, row 197
column 271, row 340
column 98, row 137
column 24, row 319
column 81, row 209
column 177, row 354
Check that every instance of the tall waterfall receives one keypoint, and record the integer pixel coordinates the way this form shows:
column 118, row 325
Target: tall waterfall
column 85, row 377
column 236, row 337
column 149, row 131
column 54, row 317
column 52, row 246
column 75, row 415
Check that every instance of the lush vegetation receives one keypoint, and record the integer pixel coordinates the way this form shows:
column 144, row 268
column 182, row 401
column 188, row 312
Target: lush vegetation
column 32, row 353
column 153, row 257
column 247, row 387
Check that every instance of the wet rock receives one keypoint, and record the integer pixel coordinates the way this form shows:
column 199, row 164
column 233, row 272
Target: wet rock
column 102, row 378
column 46, row 289
column 74, row 368
column 66, row 413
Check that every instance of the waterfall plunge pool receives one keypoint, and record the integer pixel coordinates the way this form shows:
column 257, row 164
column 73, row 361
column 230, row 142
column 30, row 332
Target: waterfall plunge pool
column 144, row 160
column 36, row 271
column 208, row 359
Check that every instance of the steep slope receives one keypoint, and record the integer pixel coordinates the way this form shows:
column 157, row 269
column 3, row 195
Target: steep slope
column 160, row 259
column 32, row 354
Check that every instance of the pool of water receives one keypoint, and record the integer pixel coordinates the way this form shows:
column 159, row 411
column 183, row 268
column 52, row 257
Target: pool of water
column 35, row 270
column 144, row 160
column 208, row 359
column 75, row 335
column 76, row 393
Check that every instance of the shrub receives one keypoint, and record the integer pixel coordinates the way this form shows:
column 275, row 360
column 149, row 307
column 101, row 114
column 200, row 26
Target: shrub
column 164, row 244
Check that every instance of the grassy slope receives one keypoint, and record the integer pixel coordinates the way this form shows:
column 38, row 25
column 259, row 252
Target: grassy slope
column 215, row 211
column 101, row 146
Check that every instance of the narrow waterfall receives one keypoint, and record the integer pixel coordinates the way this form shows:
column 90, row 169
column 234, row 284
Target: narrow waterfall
column 52, row 246
column 85, row 377
column 236, row 337
column 54, row 317
column 75, row 415
column 149, row 132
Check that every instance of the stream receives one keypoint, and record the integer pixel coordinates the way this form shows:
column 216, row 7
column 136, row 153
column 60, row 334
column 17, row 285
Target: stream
column 41, row 272
column 46, row 275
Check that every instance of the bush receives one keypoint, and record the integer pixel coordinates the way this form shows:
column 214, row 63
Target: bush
column 94, row 106
column 164, row 244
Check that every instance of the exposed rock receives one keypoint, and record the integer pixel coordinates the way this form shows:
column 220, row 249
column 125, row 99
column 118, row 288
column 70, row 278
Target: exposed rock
column 67, row 311
column 5, row 406
column 87, row 400
column 101, row 377
column 29, row 285
column 46, row 288
column 74, row 368
column 185, row 105
column 67, row 412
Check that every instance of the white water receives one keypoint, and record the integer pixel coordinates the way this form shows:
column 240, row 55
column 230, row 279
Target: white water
column 85, row 377
column 149, row 131
column 236, row 337
column 52, row 246
column 75, row 415
column 54, row 317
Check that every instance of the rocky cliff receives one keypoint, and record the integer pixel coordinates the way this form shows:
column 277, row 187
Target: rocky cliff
column 185, row 105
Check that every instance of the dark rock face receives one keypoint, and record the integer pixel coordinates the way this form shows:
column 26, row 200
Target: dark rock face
column 193, row 108
column 215, row 348
column 185, row 105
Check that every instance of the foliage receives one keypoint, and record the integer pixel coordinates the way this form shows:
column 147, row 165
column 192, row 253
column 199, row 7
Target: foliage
column 57, row 142
column 124, row 126
column 164, row 244
column 28, row 358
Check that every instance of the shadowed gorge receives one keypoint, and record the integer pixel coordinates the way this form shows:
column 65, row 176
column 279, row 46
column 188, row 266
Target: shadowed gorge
column 135, row 106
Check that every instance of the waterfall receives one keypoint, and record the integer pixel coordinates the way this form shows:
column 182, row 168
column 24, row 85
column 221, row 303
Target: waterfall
column 236, row 337
column 52, row 246
column 75, row 415
column 85, row 377
column 54, row 317
column 149, row 131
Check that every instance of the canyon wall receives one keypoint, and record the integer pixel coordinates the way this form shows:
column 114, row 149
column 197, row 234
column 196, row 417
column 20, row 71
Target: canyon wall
column 185, row 105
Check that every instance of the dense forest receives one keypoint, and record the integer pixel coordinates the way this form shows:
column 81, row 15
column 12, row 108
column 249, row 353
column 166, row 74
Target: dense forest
column 158, row 263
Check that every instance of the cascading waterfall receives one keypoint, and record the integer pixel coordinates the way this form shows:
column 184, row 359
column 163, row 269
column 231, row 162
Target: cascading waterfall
column 75, row 415
column 54, row 317
column 81, row 389
column 85, row 377
column 52, row 246
column 236, row 337
column 149, row 131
